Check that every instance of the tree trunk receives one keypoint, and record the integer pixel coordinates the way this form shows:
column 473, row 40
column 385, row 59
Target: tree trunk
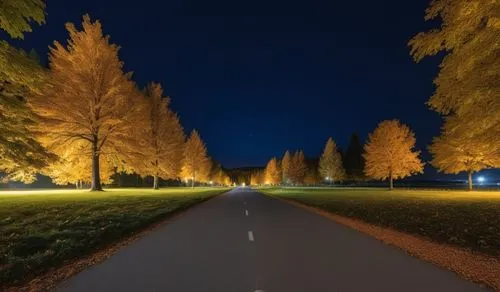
column 391, row 184
column 192, row 181
column 96, row 177
column 470, row 180
column 77, row 184
column 155, row 182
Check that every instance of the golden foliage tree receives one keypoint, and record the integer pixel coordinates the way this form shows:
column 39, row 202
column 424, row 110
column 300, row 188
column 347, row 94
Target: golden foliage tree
column 389, row 152
column 273, row 172
column 196, row 164
column 87, row 96
column 298, row 167
column 330, row 163
column 455, row 153
column 257, row 178
column 285, row 167
column 160, row 138
column 20, row 154
column 468, row 83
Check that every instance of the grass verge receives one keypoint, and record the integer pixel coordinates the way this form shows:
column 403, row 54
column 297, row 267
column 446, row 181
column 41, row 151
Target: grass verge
column 40, row 230
column 469, row 220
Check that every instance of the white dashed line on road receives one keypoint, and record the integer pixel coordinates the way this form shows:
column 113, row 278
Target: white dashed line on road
column 246, row 212
column 250, row 236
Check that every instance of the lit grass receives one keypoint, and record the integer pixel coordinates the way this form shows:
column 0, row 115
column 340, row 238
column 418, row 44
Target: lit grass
column 465, row 219
column 44, row 229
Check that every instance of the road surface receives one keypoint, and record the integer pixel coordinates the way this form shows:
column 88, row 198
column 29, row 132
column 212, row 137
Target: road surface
column 243, row 241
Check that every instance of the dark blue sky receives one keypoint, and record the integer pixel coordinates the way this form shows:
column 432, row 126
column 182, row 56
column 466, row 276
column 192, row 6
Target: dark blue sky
column 258, row 77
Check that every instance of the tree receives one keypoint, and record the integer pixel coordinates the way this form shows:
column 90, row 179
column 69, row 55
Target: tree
column 389, row 152
column 285, row 167
column 20, row 154
column 159, row 148
column 196, row 164
column 257, row 178
column 272, row 172
column 297, row 170
column 468, row 84
column 354, row 162
column 87, row 96
column 454, row 153
column 330, row 163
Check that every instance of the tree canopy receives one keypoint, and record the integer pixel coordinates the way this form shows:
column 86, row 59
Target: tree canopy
column 160, row 138
column 389, row 152
column 87, row 96
column 273, row 172
column 196, row 164
column 330, row 163
column 468, row 83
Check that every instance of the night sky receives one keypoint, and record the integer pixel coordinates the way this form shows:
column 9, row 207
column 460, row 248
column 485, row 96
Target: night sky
column 258, row 77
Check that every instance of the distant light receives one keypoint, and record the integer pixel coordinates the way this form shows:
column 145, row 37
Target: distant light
column 211, row 182
column 327, row 178
column 243, row 184
column 480, row 179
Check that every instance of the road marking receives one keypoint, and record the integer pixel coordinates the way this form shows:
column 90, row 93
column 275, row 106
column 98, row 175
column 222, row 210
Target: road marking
column 250, row 235
column 246, row 212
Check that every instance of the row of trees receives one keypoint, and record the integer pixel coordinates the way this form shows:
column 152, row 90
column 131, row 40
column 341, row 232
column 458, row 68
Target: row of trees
column 467, row 95
column 388, row 154
column 84, row 118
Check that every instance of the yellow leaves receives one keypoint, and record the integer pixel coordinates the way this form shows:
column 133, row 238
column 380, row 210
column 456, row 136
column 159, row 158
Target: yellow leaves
column 330, row 163
column 195, row 163
column 16, row 15
column 468, row 84
column 272, row 172
column 298, row 168
column 389, row 152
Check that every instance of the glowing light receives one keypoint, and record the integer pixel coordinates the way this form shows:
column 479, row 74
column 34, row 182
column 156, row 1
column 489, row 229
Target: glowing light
column 481, row 179
column 243, row 184
column 211, row 182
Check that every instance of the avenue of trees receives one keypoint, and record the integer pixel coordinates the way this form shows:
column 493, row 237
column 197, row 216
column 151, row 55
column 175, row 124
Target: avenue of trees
column 467, row 95
column 83, row 119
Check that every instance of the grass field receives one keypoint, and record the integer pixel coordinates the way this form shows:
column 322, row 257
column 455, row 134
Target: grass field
column 44, row 229
column 466, row 219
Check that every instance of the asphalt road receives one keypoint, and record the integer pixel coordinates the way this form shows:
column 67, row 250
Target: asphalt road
column 244, row 242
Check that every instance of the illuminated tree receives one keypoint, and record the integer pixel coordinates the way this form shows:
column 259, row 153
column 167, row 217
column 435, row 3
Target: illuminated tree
column 468, row 83
column 389, row 152
column 330, row 163
column 454, row 153
column 257, row 178
column 21, row 156
column 87, row 97
column 285, row 167
column 159, row 148
column 272, row 172
column 196, row 164
column 354, row 162
column 297, row 170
